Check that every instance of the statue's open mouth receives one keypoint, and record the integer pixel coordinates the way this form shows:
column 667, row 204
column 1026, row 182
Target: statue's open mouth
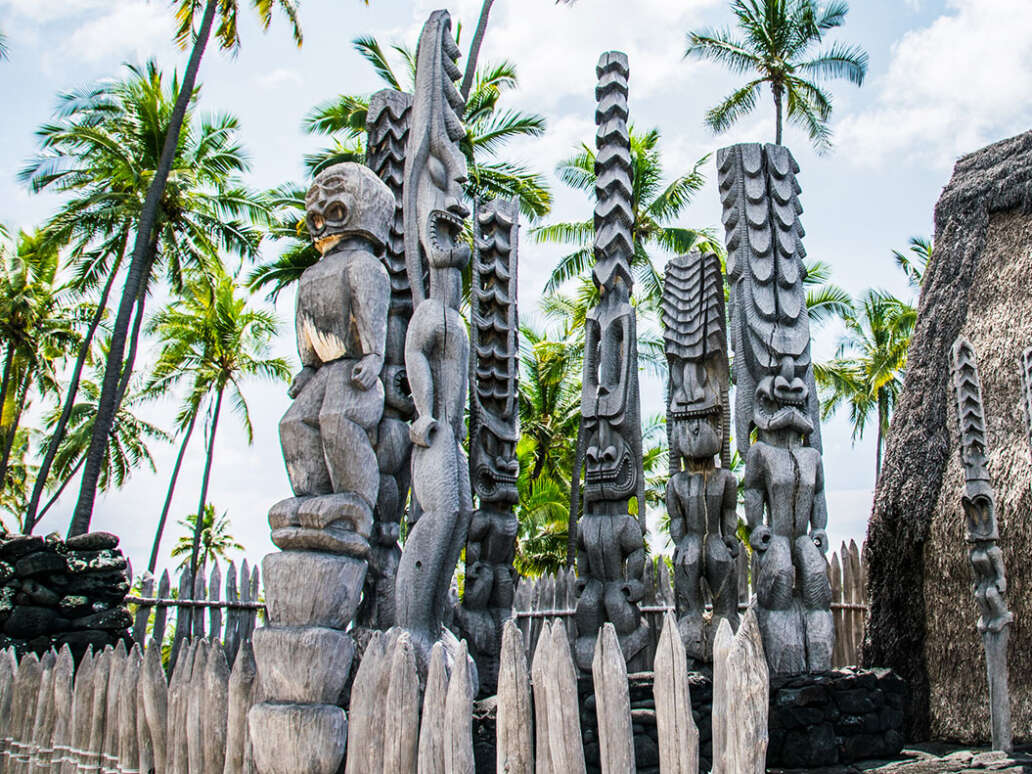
column 695, row 413
column 445, row 239
column 610, row 481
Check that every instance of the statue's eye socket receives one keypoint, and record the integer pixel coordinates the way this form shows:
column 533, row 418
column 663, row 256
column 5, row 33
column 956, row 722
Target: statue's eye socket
column 316, row 222
column 336, row 212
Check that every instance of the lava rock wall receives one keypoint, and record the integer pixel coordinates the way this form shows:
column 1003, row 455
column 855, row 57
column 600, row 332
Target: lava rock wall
column 55, row 592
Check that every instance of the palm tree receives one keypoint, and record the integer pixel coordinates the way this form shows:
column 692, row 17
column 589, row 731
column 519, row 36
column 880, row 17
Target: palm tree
column 102, row 150
column 825, row 301
column 868, row 370
column 777, row 36
column 142, row 254
column 914, row 265
column 127, row 447
column 655, row 208
column 38, row 325
column 212, row 336
column 215, row 540
column 3, row 46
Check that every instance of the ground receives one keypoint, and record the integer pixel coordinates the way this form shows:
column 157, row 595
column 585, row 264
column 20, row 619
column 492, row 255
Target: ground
column 935, row 758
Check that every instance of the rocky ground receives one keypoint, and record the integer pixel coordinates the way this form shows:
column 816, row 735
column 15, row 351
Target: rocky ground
column 935, row 758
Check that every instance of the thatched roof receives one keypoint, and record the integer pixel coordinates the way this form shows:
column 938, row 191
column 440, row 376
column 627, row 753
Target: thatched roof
column 922, row 619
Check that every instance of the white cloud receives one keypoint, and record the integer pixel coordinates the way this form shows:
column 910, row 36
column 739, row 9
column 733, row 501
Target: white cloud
column 134, row 27
column 951, row 87
column 281, row 76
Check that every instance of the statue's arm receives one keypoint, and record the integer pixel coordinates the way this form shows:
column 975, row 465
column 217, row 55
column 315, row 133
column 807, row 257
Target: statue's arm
column 309, row 359
column 673, row 504
column 370, row 300
column 729, row 516
column 418, row 342
column 754, row 497
column 819, row 515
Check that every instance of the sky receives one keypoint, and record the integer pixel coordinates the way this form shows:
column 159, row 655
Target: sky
column 945, row 78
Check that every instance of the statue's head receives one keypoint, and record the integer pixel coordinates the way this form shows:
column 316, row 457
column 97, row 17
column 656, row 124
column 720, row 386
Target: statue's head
column 435, row 167
column 696, row 410
column 610, row 472
column 782, row 399
column 348, row 200
column 493, row 463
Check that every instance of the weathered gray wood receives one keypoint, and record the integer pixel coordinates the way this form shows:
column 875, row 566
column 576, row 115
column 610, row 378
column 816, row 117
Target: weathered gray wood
column 231, row 638
column 612, row 704
column 214, row 595
column 154, row 691
column 366, row 719
column 143, row 612
column 215, row 689
column 82, row 704
column 195, row 725
column 8, row 670
column 116, row 673
column 540, row 674
column 64, row 693
column 522, row 602
column 26, row 685
column 128, row 708
column 98, row 715
column 514, row 745
column 183, row 620
column 856, row 596
column 431, row 758
column 741, row 691
column 161, row 613
column 252, row 595
column 175, row 740
column 564, row 742
column 242, row 682
column 838, row 615
column 36, row 733
column 675, row 725
column 401, row 732
column 458, row 717
column 144, row 743
column 201, row 594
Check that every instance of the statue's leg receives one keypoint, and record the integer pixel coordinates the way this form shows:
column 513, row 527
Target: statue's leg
column 816, row 597
column 780, row 618
column 301, row 441
column 722, row 578
column 688, row 596
column 589, row 615
column 347, row 418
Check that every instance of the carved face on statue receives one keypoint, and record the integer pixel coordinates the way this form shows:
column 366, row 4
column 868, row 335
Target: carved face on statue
column 696, row 437
column 440, row 210
column 980, row 513
column 781, row 401
column 348, row 200
column 609, row 471
column 494, row 466
column 695, row 407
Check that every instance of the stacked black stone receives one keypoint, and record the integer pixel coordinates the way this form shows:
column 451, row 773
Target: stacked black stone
column 55, row 592
column 841, row 716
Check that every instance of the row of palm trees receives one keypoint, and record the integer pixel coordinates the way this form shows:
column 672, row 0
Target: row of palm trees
column 152, row 196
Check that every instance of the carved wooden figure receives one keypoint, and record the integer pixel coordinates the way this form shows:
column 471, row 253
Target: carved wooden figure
column 493, row 422
column 313, row 585
column 776, row 397
column 387, row 129
column 982, row 534
column 436, row 345
column 610, row 545
column 701, row 497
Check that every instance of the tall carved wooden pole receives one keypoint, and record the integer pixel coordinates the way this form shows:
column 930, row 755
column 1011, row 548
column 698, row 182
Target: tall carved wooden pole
column 610, row 541
column 387, row 130
column 982, row 534
column 436, row 345
column 494, row 430
column 776, row 397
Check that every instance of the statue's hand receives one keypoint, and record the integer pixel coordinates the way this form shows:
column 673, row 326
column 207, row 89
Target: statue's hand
column 303, row 377
column 760, row 538
column 366, row 371
column 733, row 546
column 820, row 539
column 421, row 432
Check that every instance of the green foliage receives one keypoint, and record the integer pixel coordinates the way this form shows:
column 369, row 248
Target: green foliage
column 774, row 43
column 913, row 265
column 216, row 540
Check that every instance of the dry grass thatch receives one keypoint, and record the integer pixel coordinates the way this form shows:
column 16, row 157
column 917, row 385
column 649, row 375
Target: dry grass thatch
column 922, row 619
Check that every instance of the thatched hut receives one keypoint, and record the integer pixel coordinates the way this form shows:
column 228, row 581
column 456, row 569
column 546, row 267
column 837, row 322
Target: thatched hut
column 923, row 613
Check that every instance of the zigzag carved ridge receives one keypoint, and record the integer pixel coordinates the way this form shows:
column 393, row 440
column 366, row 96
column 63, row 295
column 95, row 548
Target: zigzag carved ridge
column 970, row 411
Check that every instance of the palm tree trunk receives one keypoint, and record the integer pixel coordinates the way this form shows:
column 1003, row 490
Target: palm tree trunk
column 71, row 393
column 139, row 268
column 474, row 49
column 199, row 524
column 57, row 495
column 8, row 365
column 778, row 93
column 168, row 496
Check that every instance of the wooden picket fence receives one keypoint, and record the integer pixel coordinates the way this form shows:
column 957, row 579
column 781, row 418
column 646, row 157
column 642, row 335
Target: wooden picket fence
column 555, row 597
column 118, row 713
column 202, row 607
